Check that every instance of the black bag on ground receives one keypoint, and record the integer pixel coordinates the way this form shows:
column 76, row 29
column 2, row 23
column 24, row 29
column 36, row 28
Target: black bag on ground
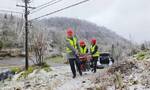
column 105, row 58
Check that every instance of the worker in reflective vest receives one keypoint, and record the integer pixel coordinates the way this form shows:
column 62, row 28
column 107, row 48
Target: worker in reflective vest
column 95, row 54
column 72, row 49
column 83, row 52
column 83, row 48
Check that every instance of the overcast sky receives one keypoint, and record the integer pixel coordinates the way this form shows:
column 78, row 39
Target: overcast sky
column 125, row 17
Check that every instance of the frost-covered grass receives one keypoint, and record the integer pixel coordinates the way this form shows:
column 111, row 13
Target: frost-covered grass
column 142, row 55
column 57, row 59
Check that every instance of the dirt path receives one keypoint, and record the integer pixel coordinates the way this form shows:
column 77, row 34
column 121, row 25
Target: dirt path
column 58, row 79
column 66, row 82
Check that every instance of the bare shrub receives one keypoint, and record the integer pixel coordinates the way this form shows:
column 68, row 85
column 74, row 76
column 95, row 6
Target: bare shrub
column 39, row 48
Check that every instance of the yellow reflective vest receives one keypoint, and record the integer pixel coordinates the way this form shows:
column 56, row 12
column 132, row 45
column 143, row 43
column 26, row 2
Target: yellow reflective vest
column 83, row 50
column 73, row 43
column 92, row 49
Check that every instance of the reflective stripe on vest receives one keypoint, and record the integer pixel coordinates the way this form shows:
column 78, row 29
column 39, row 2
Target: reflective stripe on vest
column 73, row 43
column 92, row 49
column 83, row 50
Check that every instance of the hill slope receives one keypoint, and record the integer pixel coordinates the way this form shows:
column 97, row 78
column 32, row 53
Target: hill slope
column 85, row 31
column 54, row 30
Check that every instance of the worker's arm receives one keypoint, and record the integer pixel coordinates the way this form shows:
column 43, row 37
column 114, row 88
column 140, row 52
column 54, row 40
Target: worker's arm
column 77, row 44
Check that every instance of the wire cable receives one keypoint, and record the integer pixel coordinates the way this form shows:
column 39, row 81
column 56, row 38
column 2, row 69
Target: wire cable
column 46, row 3
column 36, row 10
column 61, row 9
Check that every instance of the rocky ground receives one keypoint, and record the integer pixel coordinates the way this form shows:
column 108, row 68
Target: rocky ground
column 58, row 79
column 131, row 74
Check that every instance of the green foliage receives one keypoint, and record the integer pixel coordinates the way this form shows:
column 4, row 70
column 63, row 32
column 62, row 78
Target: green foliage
column 47, row 69
column 16, row 70
column 57, row 59
column 30, row 70
column 24, row 74
column 44, row 65
column 141, row 56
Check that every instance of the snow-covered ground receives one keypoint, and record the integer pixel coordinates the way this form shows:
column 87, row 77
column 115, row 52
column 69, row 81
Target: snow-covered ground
column 58, row 79
column 135, row 76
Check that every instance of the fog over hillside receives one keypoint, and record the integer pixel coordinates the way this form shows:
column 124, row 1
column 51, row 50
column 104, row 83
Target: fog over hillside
column 54, row 31
column 85, row 30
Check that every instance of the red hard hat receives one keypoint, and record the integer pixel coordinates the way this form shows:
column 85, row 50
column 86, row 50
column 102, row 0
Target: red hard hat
column 82, row 43
column 93, row 41
column 70, row 32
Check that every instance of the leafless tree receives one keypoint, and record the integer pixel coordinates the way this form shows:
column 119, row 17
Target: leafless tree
column 39, row 47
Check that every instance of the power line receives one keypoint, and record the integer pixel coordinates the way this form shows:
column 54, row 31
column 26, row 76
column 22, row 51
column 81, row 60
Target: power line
column 46, row 3
column 11, row 11
column 36, row 10
column 61, row 9
column 45, row 6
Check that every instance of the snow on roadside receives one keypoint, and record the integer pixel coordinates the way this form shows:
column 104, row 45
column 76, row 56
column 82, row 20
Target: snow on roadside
column 60, row 78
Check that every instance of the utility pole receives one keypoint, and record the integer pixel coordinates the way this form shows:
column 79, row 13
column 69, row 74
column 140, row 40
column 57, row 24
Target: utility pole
column 26, row 13
column 26, row 34
column 26, row 23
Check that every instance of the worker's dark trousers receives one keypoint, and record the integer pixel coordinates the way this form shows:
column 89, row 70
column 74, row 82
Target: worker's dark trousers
column 72, row 62
column 94, row 63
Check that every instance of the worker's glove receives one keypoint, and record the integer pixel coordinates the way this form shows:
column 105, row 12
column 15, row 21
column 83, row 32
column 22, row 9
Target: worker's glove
column 76, row 52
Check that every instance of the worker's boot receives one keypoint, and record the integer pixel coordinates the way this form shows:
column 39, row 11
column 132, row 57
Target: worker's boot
column 92, row 69
column 80, row 73
column 74, row 76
